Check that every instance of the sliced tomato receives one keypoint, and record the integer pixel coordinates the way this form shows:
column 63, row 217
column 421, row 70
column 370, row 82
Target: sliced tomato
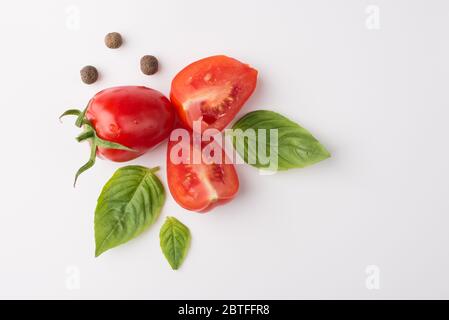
column 212, row 90
column 199, row 186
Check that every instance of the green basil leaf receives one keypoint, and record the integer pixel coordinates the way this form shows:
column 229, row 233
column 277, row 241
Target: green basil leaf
column 295, row 146
column 175, row 241
column 128, row 204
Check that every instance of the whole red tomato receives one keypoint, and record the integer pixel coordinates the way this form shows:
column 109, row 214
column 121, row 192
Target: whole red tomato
column 199, row 186
column 136, row 117
column 212, row 91
column 123, row 123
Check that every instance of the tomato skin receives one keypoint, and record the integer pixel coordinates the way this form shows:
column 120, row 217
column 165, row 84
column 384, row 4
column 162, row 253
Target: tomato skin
column 213, row 90
column 134, row 116
column 200, row 187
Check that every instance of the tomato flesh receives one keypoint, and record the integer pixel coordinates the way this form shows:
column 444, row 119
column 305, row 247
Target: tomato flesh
column 200, row 187
column 134, row 116
column 212, row 91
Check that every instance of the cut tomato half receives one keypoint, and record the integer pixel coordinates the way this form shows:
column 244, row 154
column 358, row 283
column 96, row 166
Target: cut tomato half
column 199, row 186
column 212, row 91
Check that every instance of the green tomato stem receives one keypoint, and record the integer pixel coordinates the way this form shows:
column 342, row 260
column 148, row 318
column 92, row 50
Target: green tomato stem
column 90, row 134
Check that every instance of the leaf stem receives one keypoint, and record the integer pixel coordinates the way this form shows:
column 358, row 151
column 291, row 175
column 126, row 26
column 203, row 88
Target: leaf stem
column 81, row 118
column 89, row 164
column 155, row 169
column 70, row 112
column 85, row 135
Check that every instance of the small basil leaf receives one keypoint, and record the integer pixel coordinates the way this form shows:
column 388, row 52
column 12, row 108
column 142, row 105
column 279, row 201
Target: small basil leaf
column 175, row 241
column 128, row 204
column 295, row 146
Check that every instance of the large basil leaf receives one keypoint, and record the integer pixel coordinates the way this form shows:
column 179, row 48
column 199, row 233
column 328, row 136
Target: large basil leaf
column 128, row 204
column 175, row 241
column 295, row 146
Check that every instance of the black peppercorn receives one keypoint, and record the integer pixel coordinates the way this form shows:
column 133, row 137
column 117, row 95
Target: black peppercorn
column 89, row 74
column 113, row 40
column 149, row 65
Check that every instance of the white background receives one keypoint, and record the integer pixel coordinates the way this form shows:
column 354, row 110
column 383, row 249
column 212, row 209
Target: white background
column 377, row 98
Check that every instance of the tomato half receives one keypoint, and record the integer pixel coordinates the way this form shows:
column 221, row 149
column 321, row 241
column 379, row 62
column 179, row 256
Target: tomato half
column 199, row 186
column 212, row 90
column 133, row 116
